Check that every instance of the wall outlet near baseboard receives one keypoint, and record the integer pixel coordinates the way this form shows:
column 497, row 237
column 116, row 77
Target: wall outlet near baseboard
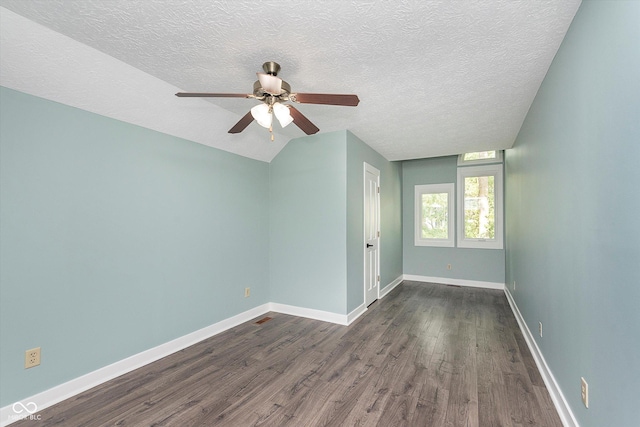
column 448, row 266
column 247, row 292
column 514, row 285
column 32, row 358
column 584, row 392
column 540, row 328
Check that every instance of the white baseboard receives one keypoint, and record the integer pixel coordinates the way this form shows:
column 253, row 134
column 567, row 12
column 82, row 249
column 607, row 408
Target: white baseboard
column 457, row 282
column 310, row 313
column 391, row 286
column 78, row 385
column 357, row 312
column 563, row 408
column 360, row 310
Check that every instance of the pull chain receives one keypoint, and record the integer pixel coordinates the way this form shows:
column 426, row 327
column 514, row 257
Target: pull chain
column 271, row 131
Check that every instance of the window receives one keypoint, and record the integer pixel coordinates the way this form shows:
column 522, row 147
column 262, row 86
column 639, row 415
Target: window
column 434, row 216
column 479, row 157
column 480, row 207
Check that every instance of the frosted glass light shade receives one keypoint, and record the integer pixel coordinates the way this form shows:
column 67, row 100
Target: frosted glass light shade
column 282, row 114
column 262, row 115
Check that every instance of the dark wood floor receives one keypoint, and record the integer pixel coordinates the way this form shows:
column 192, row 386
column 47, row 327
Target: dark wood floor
column 425, row 355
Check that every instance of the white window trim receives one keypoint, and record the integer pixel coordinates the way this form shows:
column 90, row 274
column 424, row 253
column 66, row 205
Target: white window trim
column 498, row 241
column 497, row 159
column 448, row 188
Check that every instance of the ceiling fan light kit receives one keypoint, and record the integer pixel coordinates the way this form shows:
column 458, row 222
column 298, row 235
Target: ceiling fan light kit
column 282, row 114
column 262, row 114
column 273, row 91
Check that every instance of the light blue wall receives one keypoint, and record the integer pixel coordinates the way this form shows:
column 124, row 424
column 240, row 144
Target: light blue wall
column 308, row 205
column 390, row 218
column 485, row 265
column 316, row 222
column 573, row 228
column 116, row 239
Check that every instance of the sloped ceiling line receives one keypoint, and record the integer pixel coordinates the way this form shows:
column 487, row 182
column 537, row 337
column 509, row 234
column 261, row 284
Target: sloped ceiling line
column 434, row 77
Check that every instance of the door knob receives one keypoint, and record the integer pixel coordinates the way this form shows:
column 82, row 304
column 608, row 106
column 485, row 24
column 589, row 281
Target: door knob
column 369, row 245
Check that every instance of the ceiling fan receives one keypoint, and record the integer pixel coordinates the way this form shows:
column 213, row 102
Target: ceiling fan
column 273, row 91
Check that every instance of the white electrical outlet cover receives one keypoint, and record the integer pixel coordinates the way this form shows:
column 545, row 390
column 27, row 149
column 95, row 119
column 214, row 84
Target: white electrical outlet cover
column 584, row 392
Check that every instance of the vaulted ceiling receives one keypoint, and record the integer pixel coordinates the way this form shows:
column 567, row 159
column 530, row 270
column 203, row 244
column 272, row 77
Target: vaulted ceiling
column 434, row 77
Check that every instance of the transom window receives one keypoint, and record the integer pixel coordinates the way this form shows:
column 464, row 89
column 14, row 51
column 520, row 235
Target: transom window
column 479, row 157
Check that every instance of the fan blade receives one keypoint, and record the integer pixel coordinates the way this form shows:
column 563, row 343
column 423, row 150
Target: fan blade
column 242, row 124
column 302, row 122
column 212, row 95
column 326, row 98
column 270, row 84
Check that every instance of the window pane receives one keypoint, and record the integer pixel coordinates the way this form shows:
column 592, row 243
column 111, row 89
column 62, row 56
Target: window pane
column 480, row 155
column 479, row 207
column 435, row 221
column 434, row 215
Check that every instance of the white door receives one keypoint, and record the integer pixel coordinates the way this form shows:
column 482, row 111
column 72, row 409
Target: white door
column 371, row 233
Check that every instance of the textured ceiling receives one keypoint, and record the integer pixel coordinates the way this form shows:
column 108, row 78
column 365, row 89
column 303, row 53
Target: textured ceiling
column 434, row 77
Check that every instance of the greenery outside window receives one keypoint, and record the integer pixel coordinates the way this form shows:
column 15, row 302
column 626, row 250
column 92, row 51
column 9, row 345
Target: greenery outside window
column 434, row 215
column 479, row 157
column 480, row 223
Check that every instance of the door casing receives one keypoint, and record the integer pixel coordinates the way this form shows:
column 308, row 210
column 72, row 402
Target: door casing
column 371, row 227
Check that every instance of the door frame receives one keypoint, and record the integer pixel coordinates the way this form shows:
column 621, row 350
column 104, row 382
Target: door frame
column 368, row 168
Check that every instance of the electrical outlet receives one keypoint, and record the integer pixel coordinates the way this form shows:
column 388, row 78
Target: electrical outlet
column 584, row 392
column 32, row 358
column 247, row 292
column 540, row 328
column 448, row 266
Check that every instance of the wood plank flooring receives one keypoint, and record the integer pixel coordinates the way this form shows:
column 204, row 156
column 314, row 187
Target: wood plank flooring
column 425, row 355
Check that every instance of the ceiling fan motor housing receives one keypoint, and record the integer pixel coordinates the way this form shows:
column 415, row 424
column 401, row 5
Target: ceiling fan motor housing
column 259, row 93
